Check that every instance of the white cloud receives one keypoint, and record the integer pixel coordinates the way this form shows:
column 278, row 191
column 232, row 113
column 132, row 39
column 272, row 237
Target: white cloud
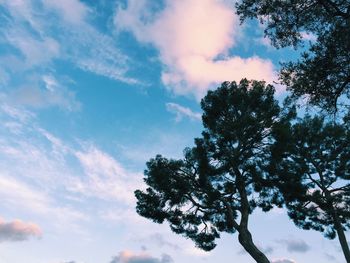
column 18, row 230
column 181, row 111
column 194, row 38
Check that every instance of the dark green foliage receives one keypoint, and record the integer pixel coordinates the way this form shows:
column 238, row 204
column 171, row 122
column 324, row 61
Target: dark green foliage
column 221, row 179
column 172, row 189
column 323, row 72
column 312, row 170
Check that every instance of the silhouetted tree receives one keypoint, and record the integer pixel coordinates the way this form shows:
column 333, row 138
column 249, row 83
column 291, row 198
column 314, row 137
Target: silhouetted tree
column 219, row 182
column 312, row 168
column 323, row 72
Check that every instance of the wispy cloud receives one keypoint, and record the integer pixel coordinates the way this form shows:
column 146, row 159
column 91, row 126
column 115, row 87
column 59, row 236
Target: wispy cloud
column 102, row 57
column 105, row 177
column 330, row 257
column 31, row 47
column 192, row 61
column 43, row 92
column 73, row 11
column 295, row 245
column 18, row 230
column 160, row 241
column 36, row 172
column 38, row 34
column 8, row 111
column 156, row 142
column 33, row 200
column 44, row 167
column 181, row 111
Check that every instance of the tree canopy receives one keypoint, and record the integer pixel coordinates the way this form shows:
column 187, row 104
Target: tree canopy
column 217, row 184
column 312, row 169
column 252, row 154
column 323, row 71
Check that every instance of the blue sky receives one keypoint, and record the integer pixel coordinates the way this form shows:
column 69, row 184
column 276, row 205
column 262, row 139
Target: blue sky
column 89, row 91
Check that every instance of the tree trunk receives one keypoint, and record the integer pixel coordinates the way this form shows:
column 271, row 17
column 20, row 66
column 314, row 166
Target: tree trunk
column 342, row 239
column 339, row 228
column 245, row 238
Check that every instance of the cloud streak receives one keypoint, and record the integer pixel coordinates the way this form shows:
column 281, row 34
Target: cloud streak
column 44, row 167
column 105, row 177
column 181, row 111
column 42, row 92
column 65, row 32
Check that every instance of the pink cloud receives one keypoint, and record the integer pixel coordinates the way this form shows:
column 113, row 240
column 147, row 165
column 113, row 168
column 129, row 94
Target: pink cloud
column 130, row 257
column 193, row 38
column 196, row 27
column 18, row 230
column 200, row 73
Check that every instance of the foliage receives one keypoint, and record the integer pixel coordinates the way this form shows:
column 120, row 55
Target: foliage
column 312, row 170
column 323, row 72
column 219, row 182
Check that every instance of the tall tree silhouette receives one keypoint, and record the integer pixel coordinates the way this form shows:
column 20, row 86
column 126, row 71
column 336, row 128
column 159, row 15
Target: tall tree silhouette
column 312, row 169
column 218, row 183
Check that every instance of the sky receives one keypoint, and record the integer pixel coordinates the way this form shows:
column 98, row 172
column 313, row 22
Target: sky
column 91, row 90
